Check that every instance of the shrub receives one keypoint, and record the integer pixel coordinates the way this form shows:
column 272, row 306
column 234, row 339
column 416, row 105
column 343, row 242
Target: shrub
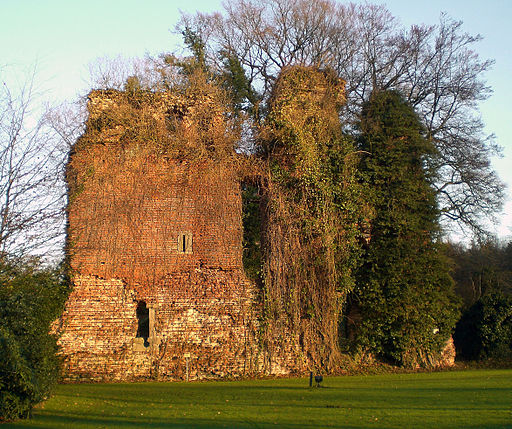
column 30, row 299
column 485, row 329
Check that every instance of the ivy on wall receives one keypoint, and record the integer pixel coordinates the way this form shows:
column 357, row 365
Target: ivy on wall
column 314, row 210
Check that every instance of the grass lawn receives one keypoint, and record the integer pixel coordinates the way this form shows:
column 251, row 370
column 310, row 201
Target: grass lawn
column 468, row 399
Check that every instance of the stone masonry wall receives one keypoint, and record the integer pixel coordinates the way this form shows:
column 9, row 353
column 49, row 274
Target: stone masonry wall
column 127, row 222
column 209, row 315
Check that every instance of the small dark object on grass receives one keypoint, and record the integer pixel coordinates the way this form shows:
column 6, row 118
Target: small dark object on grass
column 318, row 379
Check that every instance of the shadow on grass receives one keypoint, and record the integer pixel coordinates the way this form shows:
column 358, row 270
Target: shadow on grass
column 425, row 402
column 62, row 421
column 57, row 421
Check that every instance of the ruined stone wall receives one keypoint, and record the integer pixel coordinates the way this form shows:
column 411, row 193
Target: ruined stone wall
column 150, row 225
column 207, row 315
column 131, row 202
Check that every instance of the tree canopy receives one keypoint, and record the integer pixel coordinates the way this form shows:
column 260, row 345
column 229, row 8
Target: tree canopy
column 30, row 300
column 32, row 192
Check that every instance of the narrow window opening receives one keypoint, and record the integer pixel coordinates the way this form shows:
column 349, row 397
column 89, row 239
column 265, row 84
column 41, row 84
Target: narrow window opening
column 185, row 242
column 143, row 322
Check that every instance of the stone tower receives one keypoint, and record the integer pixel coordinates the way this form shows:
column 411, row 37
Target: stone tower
column 155, row 245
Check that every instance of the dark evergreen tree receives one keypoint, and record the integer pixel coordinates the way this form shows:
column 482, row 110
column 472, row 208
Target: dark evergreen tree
column 481, row 269
column 404, row 289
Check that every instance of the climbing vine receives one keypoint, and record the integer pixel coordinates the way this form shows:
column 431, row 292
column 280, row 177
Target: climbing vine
column 140, row 148
column 313, row 212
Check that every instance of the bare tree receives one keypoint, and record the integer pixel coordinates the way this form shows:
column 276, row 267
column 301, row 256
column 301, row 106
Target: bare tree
column 32, row 191
column 434, row 66
column 114, row 72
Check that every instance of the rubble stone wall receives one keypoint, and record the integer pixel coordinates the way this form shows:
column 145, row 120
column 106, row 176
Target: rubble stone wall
column 207, row 317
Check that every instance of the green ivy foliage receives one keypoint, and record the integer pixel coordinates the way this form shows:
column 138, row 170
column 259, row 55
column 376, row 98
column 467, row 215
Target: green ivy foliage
column 404, row 289
column 30, row 300
column 252, row 218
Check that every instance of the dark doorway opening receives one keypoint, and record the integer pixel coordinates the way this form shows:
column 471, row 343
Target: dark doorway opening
column 143, row 322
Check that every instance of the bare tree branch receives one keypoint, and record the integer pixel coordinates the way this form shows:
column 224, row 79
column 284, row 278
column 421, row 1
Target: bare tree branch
column 434, row 66
column 32, row 192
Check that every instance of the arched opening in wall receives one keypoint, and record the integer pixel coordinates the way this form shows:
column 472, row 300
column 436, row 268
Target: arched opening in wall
column 143, row 322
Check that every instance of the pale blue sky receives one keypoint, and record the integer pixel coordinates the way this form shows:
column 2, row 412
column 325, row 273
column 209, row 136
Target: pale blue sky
column 64, row 36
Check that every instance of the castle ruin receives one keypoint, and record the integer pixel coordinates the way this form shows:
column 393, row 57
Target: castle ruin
column 155, row 246
column 155, row 242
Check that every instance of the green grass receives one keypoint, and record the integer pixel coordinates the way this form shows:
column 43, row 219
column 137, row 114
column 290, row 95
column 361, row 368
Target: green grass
column 469, row 399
